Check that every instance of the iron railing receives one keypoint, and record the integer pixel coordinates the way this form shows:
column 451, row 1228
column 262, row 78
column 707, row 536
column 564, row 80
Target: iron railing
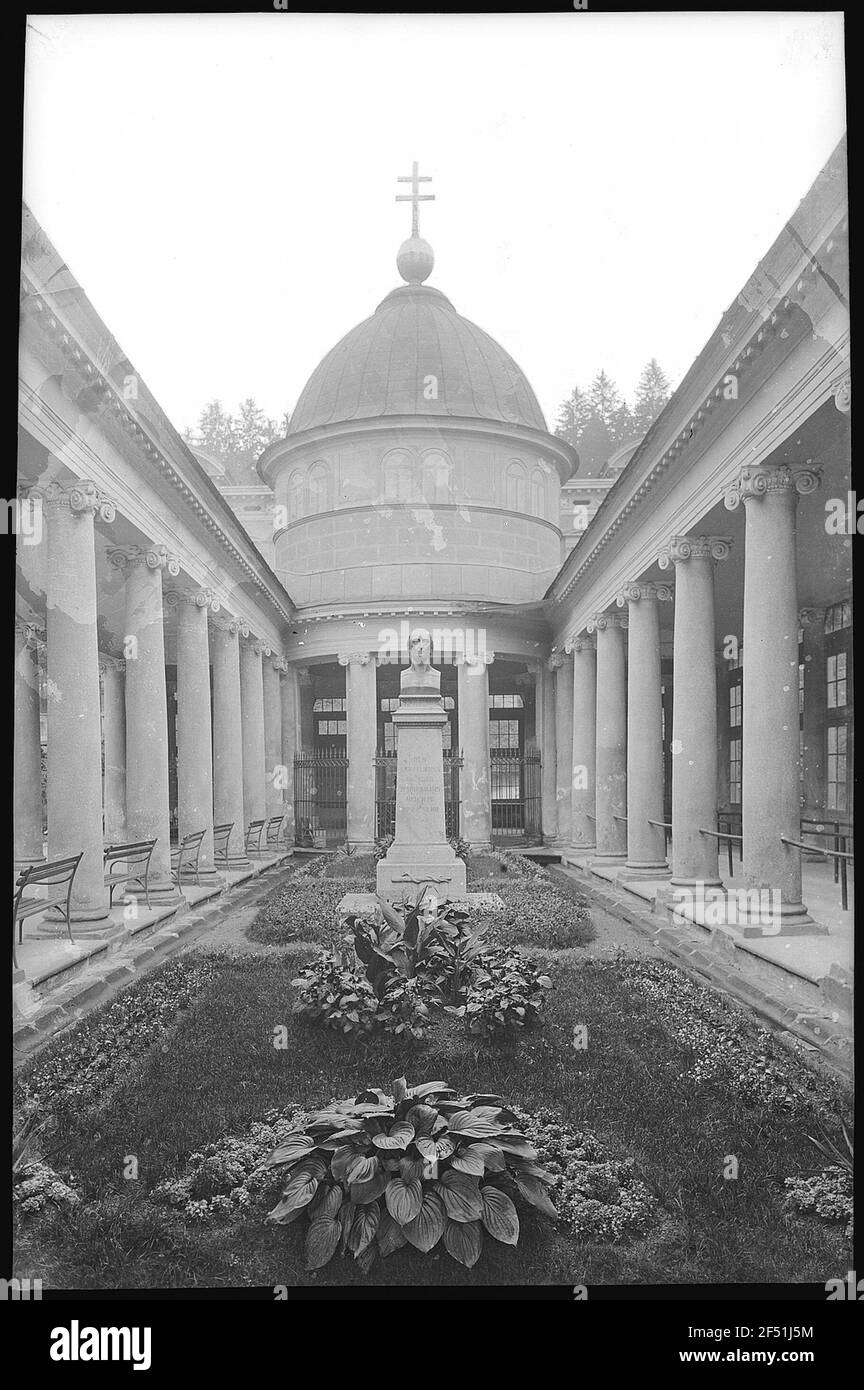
column 320, row 799
column 516, row 794
column 385, row 793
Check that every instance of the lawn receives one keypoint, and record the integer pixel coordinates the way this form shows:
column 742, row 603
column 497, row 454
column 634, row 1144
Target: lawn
column 669, row 1087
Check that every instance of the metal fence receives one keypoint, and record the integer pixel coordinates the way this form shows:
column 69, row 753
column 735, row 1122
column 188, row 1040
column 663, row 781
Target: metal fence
column 515, row 794
column 320, row 799
column 385, row 793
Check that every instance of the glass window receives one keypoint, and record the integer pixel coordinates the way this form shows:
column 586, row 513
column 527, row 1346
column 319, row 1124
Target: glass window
column 318, row 488
column 437, row 470
column 735, row 705
column 735, row 771
column 538, row 493
column 837, row 751
column 329, row 706
column 836, row 680
column 504, row 734
column 838, row 616
column 506, row 702
column 516, row 487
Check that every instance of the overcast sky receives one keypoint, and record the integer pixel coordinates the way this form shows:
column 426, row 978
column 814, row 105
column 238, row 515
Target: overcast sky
column 222, row 186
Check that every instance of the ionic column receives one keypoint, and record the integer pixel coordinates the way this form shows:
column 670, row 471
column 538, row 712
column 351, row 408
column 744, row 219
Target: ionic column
column 646, row 842
column 227, row 736
column 770, row 805
column 475, row 781
column 114, row 744
column 694, row 714
column 290, row 743
column 549, row 764
column 812, row 620
column 194, row 730
column 74, row 734
column 148, row 814
column 273, row 760
column 27, row 774
column 252, row 711
column 611, row 759
column 583, row 798
column 562, row 664
column 362, row 720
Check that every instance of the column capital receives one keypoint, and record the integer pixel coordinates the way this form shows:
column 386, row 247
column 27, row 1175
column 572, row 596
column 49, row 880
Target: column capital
column 601, row 621
column 256, row 645
column 32, row 634
column 811, row 617
column 683, row 548
column 107, row 662
column 279, row 664
column 304, row 675
column 226, row 623
column 581, row 643
column 356, row 658
column 635, row 593
column 197, row 598
column 759, row 480
column 156, row 557
column 557, row 660
column 81, row 497
column 843, row 395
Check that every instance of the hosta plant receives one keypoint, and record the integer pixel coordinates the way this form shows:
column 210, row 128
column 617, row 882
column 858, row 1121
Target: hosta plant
column 418, row 1167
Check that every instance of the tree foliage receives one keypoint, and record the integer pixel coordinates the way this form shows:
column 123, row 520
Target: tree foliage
column 597, row 421
column 237, row 441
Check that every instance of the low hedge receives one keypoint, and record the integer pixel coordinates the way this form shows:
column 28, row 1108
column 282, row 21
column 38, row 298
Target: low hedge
column 535, row 913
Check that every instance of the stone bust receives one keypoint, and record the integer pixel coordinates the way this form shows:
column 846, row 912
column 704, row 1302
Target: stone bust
column 419, row 674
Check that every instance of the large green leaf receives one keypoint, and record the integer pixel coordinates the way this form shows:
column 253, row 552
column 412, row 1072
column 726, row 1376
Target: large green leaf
column 493, row 1158
column 468, row 1160
column 322, row 1237
column 515, row 1144
column 445, row 1146
column 342, row 1160
column 422, row 1117
column 298, row 1192
column 399, row 1137
column 403, row 1199
column 369, row 1191
column 410, row 1168
column 499, row 1215
column 469, row 1125
column 427, row 1228
column 364, row 1227
column 461, row 1195
column 363, row 1167
column 464, row 1241
column 390, row 1235
column 294, row 1147
column 346, row 1221
column 533, row 1191
column 429, row 1088
column 328, row 1200
column 427, row 1147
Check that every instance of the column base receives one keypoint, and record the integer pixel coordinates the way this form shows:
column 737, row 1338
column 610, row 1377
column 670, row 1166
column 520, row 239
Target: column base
column 86, row 919
column 609, row 860
column 478, row 847
column 631, row 871
column 361, row 846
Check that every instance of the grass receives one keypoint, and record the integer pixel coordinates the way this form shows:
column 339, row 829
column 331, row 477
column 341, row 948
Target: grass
column 539, row 909
column 216, row 1070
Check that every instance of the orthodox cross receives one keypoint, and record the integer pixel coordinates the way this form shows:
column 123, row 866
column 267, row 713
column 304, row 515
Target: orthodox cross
column 415, row 196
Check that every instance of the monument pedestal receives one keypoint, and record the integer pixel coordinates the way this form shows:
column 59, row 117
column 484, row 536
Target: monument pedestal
column 420, row 855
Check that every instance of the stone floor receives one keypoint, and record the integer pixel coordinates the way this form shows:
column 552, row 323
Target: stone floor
column 811, row 957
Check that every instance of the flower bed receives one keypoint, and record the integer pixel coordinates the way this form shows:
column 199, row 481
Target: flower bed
column 535, row 913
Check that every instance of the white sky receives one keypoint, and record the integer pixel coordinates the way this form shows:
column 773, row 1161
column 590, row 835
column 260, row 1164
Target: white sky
column 222, row 186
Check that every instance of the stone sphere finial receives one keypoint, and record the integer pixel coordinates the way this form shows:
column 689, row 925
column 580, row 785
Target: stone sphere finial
column 415, row 260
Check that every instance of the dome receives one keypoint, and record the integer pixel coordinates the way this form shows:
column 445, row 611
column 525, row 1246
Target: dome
column 386, row 366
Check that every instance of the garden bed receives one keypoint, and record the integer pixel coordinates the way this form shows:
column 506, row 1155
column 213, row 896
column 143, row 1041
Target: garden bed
column 639, row 1112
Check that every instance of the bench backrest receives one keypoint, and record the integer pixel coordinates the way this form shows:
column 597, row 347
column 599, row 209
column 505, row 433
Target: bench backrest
column 56, row 871
column 190, row 841
column 135, row 853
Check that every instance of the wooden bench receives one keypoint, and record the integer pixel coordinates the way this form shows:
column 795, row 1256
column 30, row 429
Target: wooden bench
column 273, row 831
column 136, row 856
column 221, row 838
column 254, row 831
column 57, row 874
column 185, row 856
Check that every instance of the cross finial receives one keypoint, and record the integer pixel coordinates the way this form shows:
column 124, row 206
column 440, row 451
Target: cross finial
column 415, row 196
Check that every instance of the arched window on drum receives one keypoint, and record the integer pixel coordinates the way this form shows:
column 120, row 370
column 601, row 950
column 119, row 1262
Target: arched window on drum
column 538, row 493
column 437, row 477
column 516, row 487
column 295, row 495
column 319, row 488
column 400, row 482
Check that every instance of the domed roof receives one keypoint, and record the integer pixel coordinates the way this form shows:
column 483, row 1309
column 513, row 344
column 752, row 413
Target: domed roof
column 383, row 365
